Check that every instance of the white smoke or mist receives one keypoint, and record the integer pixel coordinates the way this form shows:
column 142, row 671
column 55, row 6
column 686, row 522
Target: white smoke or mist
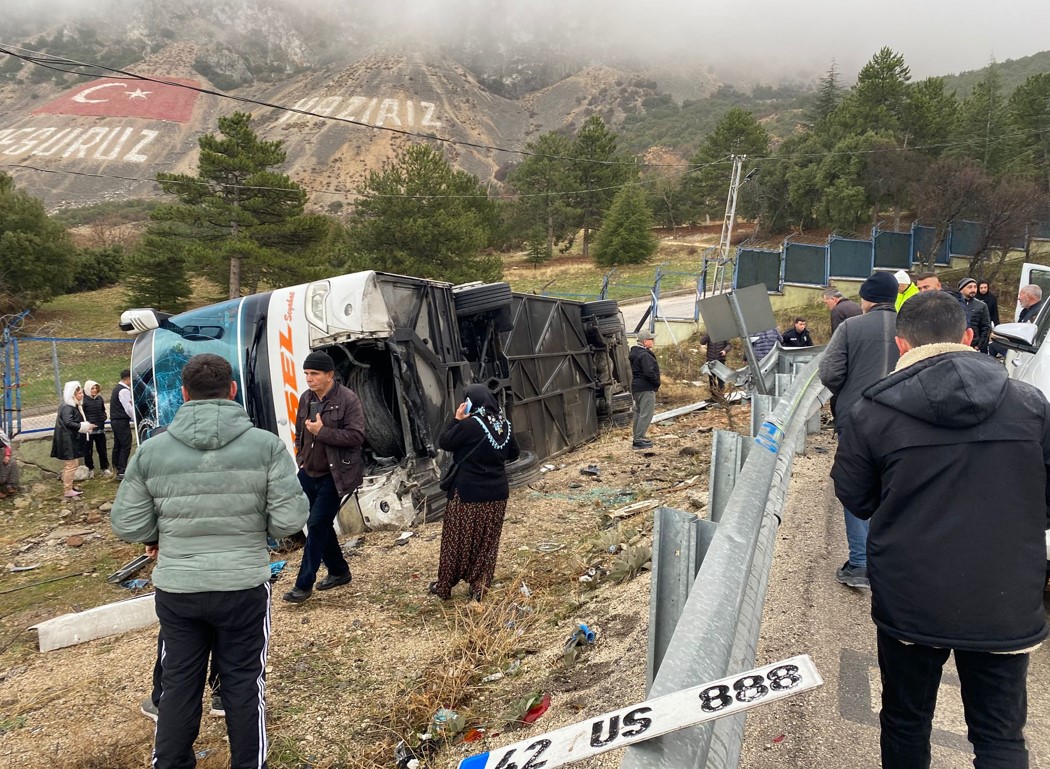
column 738, row 40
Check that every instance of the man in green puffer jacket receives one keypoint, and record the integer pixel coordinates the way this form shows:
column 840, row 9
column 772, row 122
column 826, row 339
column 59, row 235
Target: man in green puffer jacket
column 208, row 492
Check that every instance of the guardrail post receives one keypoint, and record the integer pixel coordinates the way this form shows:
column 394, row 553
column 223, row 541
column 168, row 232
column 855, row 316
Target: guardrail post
column 680, row 542
column 761, row 407
column 729, row 450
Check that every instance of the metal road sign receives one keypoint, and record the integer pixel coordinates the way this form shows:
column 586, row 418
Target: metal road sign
column 654, row 717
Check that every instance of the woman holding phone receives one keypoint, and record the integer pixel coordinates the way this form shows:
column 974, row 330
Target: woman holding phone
column 481, row 441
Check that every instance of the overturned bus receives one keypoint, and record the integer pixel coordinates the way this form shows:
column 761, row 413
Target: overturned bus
column 408, row 347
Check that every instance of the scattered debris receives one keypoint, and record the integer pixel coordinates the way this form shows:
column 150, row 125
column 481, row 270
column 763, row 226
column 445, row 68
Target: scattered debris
column 548, row 468
column 550, row 547
column 536, row 710
column 590, row 470
column 351, row 545
column 12, row 568
column 581, row 636
column 405, row 536
column 134, row 584
column 411, row 756
column 635, row 508
column 492, row 678
column 593, row 575
column 778, row 739
column 475, row 733
column 275, row 569
column 447, row 722
column 128, row 570
column 524, row 590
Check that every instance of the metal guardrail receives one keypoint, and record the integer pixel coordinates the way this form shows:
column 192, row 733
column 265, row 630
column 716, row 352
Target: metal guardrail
column 720, row 610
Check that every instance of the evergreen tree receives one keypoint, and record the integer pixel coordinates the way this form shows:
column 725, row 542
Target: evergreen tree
column 418, row 216
column 600, row 171
column 929, row 116
column 1030, row 116
column 705, row 189
column 829, row 94
column 241, row 222
column 36, row 254
column 626, row 235
column 879, row 101
column 545, row 182
column 983, row 127
column 156, row 275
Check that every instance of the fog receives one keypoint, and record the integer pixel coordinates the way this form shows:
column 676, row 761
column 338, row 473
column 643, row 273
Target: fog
column 770, row 40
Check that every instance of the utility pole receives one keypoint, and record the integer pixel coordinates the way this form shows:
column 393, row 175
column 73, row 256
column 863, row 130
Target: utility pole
column 723, row 281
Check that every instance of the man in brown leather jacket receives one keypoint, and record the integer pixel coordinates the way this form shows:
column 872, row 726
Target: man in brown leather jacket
column 329, row 433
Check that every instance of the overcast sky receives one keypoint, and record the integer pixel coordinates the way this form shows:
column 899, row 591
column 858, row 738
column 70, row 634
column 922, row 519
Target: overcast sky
column 773, row 39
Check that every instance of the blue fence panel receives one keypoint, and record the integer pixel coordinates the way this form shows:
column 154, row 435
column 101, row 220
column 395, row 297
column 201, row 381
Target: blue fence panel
column 965, row 238
column 850, row 258
column 757, row 265
column 892, row 250
column 806, row 263
column 922, row 240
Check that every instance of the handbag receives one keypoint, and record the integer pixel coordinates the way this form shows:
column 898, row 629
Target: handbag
column 448, row 478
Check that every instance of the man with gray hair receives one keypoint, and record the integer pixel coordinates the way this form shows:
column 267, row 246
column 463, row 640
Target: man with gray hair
column 1031, row 299
column 950, row 572
column 841, row 307
column 645, row 381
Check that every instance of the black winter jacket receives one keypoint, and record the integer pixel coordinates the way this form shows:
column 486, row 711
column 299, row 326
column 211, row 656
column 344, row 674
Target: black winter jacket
column 847, row 308
column 979, row 319
column 953, row 562
column 645, row 370
column 95, row 412
column 68, row 442
column 793, row 338
column 342, row 435
column 483, row 476
column 860, row 353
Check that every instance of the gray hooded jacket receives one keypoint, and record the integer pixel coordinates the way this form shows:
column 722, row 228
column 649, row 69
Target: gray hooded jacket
column 208, row 491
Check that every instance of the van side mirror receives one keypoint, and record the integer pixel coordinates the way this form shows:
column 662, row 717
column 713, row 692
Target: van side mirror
column 1016, row 336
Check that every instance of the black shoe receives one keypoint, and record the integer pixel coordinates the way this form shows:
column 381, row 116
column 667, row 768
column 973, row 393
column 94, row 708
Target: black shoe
column 334, row 580
column 295, row 595
column 642, row 445
column 853, row 576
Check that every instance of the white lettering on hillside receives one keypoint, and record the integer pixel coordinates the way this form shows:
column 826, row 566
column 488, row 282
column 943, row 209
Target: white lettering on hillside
column 395, row 113
column 98, row 143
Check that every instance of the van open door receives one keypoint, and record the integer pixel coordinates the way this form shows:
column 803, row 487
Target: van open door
column 1027, row 354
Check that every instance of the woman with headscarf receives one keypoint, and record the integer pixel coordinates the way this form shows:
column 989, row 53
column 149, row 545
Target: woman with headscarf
column 481, row 442
column 70, row 441
column 94, row 407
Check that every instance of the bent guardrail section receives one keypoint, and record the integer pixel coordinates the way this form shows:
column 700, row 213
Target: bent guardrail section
column 717, row 631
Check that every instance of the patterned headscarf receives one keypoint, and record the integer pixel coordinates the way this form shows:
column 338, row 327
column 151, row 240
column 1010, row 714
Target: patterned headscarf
column 487, row 412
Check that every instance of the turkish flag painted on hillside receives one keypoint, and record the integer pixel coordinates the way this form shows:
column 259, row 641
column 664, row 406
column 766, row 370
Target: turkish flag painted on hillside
column 116, row 97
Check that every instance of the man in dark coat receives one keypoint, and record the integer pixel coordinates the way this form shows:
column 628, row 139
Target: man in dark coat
column 329, row 434
column 121, row 413
column 1031, row 299
column 954, row 566
column 715, row 351
column 977, row 315
column 840, row 307
column 645, row 381
column 860, row 353
column 797, row 335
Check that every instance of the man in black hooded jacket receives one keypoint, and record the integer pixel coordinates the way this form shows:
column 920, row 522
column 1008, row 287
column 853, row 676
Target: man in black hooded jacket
column 950, row 572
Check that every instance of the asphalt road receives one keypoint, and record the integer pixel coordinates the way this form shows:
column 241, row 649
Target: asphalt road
column 678, row 305
column 807, row 611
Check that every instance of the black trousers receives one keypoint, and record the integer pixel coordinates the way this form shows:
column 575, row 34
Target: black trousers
column 96, row 441
column 158, row 672
column 121, row 444
column 234, row 628
column 994, row 696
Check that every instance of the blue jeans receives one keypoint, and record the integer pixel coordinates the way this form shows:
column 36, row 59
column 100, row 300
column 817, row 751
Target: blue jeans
column 857, row 539
column 322, row 546
column 994, row 695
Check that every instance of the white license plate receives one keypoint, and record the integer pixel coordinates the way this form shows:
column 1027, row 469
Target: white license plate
column 654, row 717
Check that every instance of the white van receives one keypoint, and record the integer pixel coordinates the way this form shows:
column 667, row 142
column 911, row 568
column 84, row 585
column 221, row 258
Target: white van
column 1028, row 356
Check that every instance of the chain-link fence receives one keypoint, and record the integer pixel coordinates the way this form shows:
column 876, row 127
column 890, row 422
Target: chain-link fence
column 36, row 368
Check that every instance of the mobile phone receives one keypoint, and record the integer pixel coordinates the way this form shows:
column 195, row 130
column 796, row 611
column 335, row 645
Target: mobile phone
column 315, row 409
column 469, row 406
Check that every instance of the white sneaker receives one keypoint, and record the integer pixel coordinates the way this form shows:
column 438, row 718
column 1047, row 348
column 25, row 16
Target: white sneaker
column 107, row 473
column 91, row 474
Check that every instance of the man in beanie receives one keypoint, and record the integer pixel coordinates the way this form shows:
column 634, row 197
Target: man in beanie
column 645, row 381
column 905, row 288
column 861, row 352
column 977, row 316
column 329, row 433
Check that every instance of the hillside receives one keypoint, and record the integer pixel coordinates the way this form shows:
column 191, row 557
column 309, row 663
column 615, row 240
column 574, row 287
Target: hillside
column 1013, row 72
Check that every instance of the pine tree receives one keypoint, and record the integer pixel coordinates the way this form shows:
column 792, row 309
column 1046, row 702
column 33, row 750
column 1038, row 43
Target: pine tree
column 600, row 170
column 705, row 188
column 418, row 216
column 544, row 181
column 1030, row 115
column 240, row 222
column 983, row 127
column 156, row 275
column 626, row 235
column 829, row 94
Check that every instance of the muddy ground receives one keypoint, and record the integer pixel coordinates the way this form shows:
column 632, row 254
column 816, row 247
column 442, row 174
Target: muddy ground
column 355, row 670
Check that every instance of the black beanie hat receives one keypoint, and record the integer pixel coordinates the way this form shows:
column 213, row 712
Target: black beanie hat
column 318, row 361
column 880, row 288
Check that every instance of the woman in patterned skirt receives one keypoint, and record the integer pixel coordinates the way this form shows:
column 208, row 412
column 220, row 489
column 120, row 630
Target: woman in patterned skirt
column 481, row 442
